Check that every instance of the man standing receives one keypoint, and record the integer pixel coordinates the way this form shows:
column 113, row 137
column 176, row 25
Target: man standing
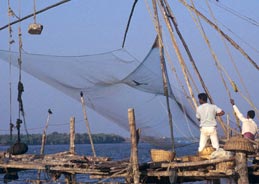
column 249, row 127
column 206, row 113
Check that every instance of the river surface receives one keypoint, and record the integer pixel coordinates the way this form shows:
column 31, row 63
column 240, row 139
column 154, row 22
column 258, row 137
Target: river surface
column 114, row 151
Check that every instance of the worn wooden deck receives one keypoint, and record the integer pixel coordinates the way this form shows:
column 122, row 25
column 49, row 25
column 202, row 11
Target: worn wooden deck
column 102, row 168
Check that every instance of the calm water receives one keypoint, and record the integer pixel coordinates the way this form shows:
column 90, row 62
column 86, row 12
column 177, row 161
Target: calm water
column 114, row 151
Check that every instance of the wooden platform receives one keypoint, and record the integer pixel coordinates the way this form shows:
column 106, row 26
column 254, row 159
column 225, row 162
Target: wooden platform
column 103, row 168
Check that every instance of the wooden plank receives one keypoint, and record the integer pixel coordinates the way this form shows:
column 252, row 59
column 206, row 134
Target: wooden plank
column 191, row 164
column 159, row 173
column 203, row 174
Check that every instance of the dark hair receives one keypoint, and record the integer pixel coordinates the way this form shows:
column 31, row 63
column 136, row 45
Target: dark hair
column 251, row 114
column 203, row 97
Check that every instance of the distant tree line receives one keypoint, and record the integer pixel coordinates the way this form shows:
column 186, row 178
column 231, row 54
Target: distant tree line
column 62, row 138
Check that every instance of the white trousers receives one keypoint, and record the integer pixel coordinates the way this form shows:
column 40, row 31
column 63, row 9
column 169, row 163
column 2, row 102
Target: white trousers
column 208, row 133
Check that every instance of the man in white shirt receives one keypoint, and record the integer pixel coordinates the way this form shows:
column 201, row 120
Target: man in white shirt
column 249, row 127
column 206, row 113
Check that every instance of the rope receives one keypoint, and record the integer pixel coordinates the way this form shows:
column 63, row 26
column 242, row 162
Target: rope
column 11, row 41
column 173, row 19
column 232, row 60
column 231, row 41
column 237, row 14
column 151, row 15
column 163, row 68
column 126, row 31
column 200, row 27
column 180, row 57
column 34, row 12
column 20, row 84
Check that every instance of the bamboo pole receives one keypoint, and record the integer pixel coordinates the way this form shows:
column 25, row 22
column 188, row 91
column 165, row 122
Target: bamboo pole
column 72, row 135
column 173, row 19
column 134, row 148
column 87, row 123
column 180, row 58
column 164, row 73
column 230, row 40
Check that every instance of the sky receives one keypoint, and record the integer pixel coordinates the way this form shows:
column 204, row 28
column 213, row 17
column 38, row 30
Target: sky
column 81, row 27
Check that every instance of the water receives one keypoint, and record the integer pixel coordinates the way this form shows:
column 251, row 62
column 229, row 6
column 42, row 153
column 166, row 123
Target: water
column 113, row 151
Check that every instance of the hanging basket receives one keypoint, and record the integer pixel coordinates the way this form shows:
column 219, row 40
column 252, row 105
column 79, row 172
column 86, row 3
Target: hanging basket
column 239, row 143
column 35, row 28
column 162, row 155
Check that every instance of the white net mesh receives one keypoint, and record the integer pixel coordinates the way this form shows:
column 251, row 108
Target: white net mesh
column 112, row 83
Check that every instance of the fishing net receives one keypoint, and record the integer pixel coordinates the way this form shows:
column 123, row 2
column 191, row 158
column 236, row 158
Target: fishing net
column 112, row 83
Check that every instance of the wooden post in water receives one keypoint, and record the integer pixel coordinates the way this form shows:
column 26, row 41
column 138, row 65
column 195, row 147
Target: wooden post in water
column 87, row 123
column 72, row 135
column 134, row 148
column 241, row 167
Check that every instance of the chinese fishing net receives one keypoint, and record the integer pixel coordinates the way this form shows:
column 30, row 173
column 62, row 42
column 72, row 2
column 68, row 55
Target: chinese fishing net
column 112, row 83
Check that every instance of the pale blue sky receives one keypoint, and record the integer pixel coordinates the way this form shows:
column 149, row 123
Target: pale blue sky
column 82, row 27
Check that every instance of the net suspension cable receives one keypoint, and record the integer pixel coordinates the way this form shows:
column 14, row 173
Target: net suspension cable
column 179, row 83
column 236, row 13
column 181, row 60
column 229, row 39
column 164, row 72
column 198, row 23
column 253, row 22
column 10, row 42
column 232, row 83
column 151, row 15
column 163, row 11
column 232, row 32
column 20, row 84
column 128, row 23
column 220, row 66
column 171, row 16
column 234, row 86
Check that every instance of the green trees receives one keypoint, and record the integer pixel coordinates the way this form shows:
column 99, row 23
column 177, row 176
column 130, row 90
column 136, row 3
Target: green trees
column 62, row 138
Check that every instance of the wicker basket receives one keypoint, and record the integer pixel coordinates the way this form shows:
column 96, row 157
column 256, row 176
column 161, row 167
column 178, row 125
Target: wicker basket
column 239, row 143
column 162, row 155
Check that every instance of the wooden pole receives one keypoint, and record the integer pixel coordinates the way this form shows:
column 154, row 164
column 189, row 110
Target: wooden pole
column 134, row 148
column 164, row 72
column 230, row 40
column 87, row 123
column 241, row 167
column 70, row 178
column 72, row 135
column 180, row 57
column 43, row 139
column 173, row 19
